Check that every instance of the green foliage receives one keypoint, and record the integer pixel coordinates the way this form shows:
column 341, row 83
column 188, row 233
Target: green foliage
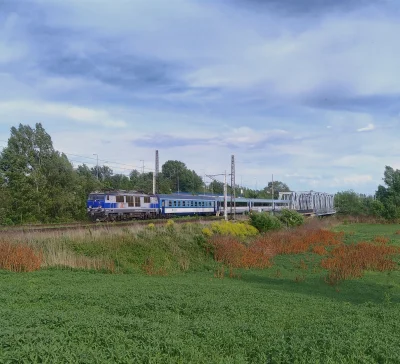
column 180, row 177
column 291, row 218
column 389, row 195
column 40, row 183
column 276, row 186
column 264, row 222
column 266, row 192
column 355, row 204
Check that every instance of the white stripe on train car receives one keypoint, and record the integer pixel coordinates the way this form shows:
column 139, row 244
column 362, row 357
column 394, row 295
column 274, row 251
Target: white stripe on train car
column 177, row 210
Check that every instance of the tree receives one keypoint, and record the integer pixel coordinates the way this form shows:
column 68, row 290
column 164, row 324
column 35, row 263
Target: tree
column 41, row 182
column 389, row 195
column 278, row 186
column 120, row 182
column 216, row 187
column 104, row 173
column 182, row 179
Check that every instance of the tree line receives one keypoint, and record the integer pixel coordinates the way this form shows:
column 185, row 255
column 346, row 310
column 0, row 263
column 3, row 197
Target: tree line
column 40, row 184
column 384, row 203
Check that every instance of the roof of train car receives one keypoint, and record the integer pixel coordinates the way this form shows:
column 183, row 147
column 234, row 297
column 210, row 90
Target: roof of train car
column 176, row 196
column 243, row 199
column 121, row 192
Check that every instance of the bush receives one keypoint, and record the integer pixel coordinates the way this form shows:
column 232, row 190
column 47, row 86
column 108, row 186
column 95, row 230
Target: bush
column 291, row 218
column 264, row 222
column 233, row 228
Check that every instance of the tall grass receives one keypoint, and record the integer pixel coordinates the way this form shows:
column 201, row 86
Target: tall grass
column 19, row 257
column 154, row 250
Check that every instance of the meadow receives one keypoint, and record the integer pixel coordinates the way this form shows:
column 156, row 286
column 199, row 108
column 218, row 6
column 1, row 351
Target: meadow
column 171, row 295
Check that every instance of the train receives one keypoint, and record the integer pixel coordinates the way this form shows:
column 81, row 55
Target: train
column 127, row 205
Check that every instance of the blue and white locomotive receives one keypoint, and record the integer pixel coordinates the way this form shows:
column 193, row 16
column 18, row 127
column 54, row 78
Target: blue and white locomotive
column 122, row 205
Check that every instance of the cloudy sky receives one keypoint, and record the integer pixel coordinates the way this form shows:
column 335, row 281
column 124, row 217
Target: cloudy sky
column 305, row 89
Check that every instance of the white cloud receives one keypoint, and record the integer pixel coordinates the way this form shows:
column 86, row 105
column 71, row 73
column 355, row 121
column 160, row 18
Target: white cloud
column 352, row 180
column 357, row 161
column 65, row 111
column 369, row 127
column 245, row 136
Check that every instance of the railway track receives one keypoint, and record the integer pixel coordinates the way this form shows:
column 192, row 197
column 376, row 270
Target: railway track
column 102, row 225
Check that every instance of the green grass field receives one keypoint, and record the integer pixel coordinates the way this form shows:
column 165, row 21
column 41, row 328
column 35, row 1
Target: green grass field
column 284, row 314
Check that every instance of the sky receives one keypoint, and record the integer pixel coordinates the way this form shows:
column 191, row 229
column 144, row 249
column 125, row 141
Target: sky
column 306, row 90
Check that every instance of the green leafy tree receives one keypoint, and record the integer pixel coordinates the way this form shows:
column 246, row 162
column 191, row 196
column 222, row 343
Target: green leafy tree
column 41, row 182
column 389, row 195
column 120, row 182
column 182, row 179
column 278, row 186
column 216, row 187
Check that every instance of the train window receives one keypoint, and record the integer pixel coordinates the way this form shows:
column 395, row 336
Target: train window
column 129, row 200
column 195, row 203
column 183, row 203
column 191, row 203
column 202, row 204
column 147, row 199
column 170, row 203
column 174, row 203
column 120, row 198
column 137, row 201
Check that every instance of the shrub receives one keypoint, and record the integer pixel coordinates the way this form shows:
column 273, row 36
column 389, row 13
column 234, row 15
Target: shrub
column 233, row 228
column 291, row 218
column 207, row 232
column 151, row 226
column 264, row 222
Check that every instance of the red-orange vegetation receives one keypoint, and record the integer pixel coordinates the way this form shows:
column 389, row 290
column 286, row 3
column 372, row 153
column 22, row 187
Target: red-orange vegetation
column 350, row 261
column 319, row 249
column 229, row 251
column 381, row 239
column 19, row 258
column 300, row 240
column 259, row 252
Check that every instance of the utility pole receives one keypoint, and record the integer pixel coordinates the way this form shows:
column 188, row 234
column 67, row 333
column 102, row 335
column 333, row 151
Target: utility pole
column 142, row 165
column 177, row 176
column 273, row 197
column 233, row 189
column 155, row 174
column 225, row 199
column 97, row 165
